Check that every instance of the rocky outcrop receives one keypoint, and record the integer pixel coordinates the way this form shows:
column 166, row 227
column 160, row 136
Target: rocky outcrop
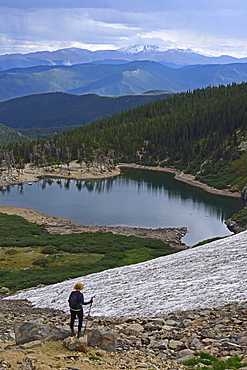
column 244, row 195
column 233, row 226
column 30, row 331
column 37, row 331
column 163, row 342
column 104, row 339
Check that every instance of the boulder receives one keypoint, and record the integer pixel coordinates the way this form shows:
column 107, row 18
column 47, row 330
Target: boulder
column 103, row 339
column 181, row 360
column 174, row 343
column 233, row 226
column 186, row 352
column 4, row 289
column 36, row 330
column 134, row 329
column 160, row 345
column 76, row 344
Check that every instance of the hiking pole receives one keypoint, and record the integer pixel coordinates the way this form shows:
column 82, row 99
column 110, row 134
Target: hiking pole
column 88, row 316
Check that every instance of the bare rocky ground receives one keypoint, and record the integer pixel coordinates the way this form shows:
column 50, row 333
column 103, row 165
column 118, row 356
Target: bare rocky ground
column 73, row 171
column 142, row 343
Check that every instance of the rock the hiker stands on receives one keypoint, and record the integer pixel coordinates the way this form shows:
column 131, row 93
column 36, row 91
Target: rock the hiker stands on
column 32, row 331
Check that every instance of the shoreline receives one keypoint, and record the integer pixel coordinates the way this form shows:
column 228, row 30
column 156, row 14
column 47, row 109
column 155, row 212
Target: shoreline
column 76, row 172
column 58, row 225
column 186, row 178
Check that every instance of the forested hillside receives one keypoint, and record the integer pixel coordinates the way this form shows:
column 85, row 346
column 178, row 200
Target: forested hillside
column 202, row 132
column 42, row 115
column 116, row 79
column 8, row 135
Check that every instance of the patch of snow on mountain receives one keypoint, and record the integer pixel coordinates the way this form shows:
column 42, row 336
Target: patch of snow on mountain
column 141, row 48
column 207, row 276
column 181, row 51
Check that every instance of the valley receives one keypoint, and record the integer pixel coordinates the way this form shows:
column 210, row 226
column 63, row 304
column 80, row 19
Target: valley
column 131, row 78
column 123, row 167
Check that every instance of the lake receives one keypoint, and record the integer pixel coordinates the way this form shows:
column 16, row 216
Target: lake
column 139, row 198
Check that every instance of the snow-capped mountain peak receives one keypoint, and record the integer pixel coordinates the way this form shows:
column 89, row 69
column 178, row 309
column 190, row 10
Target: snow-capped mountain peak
column 141, row 49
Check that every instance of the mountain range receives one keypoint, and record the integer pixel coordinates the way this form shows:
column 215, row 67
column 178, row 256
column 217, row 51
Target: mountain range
column 116, row 79
column 172, row 57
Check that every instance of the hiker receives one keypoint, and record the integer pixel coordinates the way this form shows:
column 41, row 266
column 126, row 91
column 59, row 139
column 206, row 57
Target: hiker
column 76, row 301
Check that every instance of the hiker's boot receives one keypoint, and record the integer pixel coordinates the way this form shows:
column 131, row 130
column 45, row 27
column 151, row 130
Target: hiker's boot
column 79, row 334
column 72, row 333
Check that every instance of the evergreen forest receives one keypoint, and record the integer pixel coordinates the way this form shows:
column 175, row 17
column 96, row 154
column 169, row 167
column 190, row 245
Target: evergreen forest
column 202, row 132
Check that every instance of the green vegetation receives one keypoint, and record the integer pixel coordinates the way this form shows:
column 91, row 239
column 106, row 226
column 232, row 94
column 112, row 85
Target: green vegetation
column 29, row 256
column 230, row 174
column 200, row 132
column 43, row 115
column 49, row 249
column 94, row 358
column 13, row 227
column 241, row 218
column 213, row 363
column 207, row 241
column 115, row 79
column 8, row 135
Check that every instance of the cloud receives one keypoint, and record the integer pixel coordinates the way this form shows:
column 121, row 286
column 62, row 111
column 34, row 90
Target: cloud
column 214, row 25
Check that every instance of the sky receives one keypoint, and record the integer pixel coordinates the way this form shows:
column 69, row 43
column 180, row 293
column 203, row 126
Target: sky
column 211, row 27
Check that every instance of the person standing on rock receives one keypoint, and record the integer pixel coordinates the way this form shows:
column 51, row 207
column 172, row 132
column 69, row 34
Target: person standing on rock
column 76, row 301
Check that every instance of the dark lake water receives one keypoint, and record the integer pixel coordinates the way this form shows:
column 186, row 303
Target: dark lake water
column 136, row 198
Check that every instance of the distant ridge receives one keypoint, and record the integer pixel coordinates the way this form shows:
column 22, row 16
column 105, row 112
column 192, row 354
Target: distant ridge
column 116, row 79
column 71, row 56
column 41, row 115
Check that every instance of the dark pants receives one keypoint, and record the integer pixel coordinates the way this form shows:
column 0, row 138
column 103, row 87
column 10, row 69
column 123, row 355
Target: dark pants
column 73, row 315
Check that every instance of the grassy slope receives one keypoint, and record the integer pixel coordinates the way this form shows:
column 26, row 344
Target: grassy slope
column 24, row 264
